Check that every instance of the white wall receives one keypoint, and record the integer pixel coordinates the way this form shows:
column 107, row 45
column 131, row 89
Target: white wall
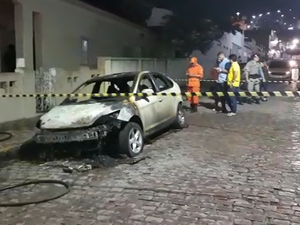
column 63, row 26
column 225, row 45
column 174, row 68
column 16, row 108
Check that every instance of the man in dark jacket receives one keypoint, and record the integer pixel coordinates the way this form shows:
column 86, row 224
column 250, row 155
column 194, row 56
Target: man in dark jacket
column 264, row 83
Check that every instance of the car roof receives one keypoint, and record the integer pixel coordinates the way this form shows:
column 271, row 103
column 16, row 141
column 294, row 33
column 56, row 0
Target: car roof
column 125, row 75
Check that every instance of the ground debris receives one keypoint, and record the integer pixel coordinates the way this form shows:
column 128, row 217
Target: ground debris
column 101, row 161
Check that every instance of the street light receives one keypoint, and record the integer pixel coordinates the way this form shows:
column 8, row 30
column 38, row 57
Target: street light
column 278, row 11
column 268, row 13
column 282, row 15
column 238, row 13
column 253, row 17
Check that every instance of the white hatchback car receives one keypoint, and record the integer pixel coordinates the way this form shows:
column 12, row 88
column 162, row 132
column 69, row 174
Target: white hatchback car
column 93, row 123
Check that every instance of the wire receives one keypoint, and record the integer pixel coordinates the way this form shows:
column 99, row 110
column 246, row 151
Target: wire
column 65, row 184
column 6, row 135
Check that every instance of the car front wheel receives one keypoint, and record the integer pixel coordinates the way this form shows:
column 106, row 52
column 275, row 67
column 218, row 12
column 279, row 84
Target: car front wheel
column 131, row 139
column 180, row 120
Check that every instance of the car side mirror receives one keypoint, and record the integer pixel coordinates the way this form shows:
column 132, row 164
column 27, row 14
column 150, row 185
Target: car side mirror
column 147, row 91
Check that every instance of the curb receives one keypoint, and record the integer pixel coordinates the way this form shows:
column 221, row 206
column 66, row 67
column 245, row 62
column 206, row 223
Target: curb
column 10, row 152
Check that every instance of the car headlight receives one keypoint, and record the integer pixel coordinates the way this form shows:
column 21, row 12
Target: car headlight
column 288, row 72
column 106, row 118
column 114, row 115
column 293, row 63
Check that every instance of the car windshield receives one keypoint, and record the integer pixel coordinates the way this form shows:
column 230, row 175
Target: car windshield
column 279, row 64
column 119, row 84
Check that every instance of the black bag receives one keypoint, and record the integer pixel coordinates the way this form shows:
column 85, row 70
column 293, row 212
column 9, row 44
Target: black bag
column 244, row 86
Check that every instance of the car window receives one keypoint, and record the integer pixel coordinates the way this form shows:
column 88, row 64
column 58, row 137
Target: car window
column 161, row 82
column 109, row 85
column 145, row 83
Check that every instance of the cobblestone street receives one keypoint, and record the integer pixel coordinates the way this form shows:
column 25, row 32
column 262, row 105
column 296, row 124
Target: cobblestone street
column 242, row 170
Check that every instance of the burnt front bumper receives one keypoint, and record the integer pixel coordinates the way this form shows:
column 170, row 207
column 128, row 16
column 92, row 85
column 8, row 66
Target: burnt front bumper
column 57, row 137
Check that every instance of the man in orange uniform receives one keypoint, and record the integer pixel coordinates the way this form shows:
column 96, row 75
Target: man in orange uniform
column 194, row 74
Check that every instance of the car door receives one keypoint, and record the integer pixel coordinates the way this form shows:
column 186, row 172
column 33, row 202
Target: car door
column 168, row 104
column 148, row 106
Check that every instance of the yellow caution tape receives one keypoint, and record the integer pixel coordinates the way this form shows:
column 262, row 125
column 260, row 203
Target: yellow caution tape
column 269, row 81
column 188, row 94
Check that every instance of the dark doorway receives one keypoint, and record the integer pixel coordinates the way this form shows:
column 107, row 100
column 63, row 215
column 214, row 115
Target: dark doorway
column 37, row 40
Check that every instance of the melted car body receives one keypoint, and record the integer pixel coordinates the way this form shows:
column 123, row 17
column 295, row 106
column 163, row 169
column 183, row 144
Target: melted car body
column 103, row 119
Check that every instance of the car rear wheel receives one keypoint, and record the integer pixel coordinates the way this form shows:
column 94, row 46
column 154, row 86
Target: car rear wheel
column 180, row 120
column 131, row 140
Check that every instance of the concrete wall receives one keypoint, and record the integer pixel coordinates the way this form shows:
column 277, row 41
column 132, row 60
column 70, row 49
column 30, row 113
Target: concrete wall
column 174, row 68
column 66, row 82
column 16, row 108
column 64, row 23
column 229, row 44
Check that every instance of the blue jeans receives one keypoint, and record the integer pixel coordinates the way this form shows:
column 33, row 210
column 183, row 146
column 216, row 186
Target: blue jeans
column 232, row 101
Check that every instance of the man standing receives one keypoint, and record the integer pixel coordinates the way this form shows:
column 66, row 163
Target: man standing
column 233, row 83
column 222, row 77
column 194, row 74
column 264, row 85
column 254, row 76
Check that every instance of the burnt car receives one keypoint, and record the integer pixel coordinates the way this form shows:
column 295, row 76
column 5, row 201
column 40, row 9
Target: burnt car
column 92, row 123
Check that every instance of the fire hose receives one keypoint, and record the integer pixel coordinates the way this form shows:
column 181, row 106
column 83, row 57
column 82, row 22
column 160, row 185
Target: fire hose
column 8, row 204
column 6, row 135
column 67, row 186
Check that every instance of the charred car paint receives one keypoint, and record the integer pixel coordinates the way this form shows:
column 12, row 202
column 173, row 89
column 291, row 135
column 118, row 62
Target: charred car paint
column 91, row 123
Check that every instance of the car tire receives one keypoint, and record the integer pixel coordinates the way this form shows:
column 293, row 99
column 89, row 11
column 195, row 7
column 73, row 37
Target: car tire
column 131, row 140
column 180, row 120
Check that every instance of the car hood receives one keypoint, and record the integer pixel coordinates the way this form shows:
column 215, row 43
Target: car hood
column 279, row 70
column 76, row 116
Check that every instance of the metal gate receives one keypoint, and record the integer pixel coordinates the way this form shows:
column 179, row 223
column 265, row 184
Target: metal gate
column 44, row 84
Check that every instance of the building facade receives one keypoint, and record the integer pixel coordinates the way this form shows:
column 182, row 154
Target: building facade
column 67, row 34
column 229, row 44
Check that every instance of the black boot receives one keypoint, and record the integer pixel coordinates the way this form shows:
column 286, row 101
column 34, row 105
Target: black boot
column 193, row 108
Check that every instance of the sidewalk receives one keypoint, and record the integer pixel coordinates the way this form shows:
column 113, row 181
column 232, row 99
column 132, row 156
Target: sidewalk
column 21, row 130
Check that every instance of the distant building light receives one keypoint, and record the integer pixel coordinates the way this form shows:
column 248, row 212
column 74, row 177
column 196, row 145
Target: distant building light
column 268, row 13
column 254, row 17
column 282, row 15
column 278, row 11
column 291, row 28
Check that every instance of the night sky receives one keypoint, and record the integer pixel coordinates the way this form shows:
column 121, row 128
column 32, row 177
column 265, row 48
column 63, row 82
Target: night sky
column 221, row 7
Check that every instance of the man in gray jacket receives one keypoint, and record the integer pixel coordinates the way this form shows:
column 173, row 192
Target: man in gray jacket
column 254, row 76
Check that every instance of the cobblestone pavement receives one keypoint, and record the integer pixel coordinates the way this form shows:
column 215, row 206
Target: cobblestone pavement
column 240, row 170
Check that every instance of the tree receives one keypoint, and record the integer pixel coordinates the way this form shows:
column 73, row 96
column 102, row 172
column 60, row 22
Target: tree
column 189, row 29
